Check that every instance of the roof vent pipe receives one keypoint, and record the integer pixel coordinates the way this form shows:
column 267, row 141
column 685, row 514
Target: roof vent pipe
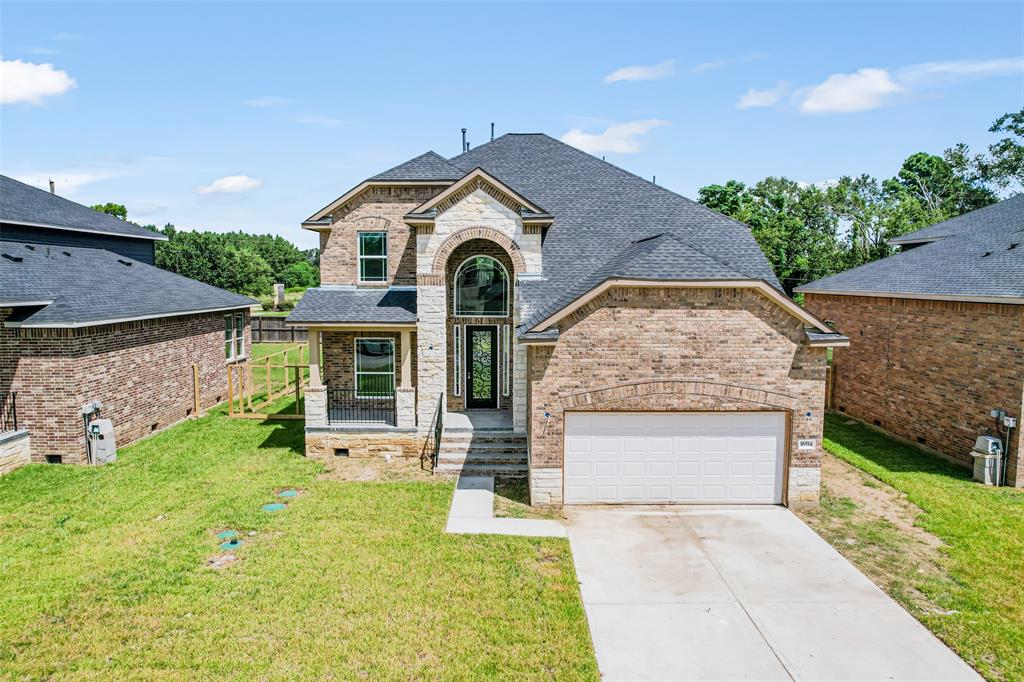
column 51, row 187
column 464, row 145
column 492, row 131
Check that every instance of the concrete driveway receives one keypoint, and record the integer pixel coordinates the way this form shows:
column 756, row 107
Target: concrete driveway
column 739, row 594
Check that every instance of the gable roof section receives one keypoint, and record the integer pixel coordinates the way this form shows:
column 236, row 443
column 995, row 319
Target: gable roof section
column 27, row 205
column 1009, row 213
column 78, row 287
column 659, row 260
column 983, row 264
column 428, row 166
column 475, row 179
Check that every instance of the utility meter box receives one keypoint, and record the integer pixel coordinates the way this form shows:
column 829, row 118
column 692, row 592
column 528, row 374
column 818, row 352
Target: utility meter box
column 101, row 441
column 988, row 445
column 987, row 455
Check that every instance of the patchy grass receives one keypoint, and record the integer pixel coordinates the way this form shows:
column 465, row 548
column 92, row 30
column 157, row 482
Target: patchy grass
column 105, row 572
column 972, row 593
column 512, row 500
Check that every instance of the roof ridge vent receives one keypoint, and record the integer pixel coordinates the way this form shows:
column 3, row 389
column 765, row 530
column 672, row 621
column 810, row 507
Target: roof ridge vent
column 15, row 259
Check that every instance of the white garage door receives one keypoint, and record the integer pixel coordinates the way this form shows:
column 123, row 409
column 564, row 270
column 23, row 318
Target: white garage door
column 674, row 457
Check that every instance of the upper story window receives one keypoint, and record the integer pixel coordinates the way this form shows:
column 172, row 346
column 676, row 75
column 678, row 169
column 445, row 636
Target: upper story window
column 481, row 288
column 373, row 256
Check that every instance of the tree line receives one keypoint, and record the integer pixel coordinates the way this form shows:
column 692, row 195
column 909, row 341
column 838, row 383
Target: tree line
column 809, row 231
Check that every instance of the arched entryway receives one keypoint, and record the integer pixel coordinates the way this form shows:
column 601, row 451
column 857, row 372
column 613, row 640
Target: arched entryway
column 479, row 277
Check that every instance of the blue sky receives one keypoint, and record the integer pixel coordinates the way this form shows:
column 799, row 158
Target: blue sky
column 254, row 115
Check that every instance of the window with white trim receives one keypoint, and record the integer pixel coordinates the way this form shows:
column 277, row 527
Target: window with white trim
column 481, row 288
column 234, row 336
column 375, row 367
column 373, row 256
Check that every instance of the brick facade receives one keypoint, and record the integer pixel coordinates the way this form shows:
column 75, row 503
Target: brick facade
column 929, row 371
column 375, row 210
column 652, row 349
column 339, row 356
column 141, row 371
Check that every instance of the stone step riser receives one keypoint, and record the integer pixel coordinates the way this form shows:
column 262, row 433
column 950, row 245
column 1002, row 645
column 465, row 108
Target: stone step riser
column 460, row 452
column 519, row 442
column 457, row 461
column 503, row 471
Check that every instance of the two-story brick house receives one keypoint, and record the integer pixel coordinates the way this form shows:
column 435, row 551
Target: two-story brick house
column 565, row 320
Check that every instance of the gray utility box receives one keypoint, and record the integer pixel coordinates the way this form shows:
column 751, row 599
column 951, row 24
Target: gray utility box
column 987, row 455
column 101, row 441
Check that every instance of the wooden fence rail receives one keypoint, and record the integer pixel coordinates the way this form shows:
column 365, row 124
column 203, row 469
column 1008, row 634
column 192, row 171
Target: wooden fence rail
column 257, row 389
column 267, row 329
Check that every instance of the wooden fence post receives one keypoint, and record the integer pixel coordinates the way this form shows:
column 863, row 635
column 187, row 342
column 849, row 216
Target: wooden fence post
column 298, row 383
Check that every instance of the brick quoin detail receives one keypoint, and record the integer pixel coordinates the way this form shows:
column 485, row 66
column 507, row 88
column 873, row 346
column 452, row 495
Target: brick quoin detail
column 453, row 242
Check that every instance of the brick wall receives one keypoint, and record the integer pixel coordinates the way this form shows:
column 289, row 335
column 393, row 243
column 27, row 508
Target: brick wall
column 375, row 210
column 929, row 371
column 676, row 349
column 141, row 371
column 476, row 247
column 339, row 356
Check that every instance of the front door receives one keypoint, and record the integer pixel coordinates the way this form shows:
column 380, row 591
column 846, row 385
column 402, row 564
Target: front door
column 481, row 367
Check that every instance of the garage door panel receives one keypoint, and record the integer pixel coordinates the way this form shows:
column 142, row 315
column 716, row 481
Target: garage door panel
column 635, row 457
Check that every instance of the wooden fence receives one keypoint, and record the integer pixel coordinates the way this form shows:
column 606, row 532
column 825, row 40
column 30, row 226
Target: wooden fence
column 260, row 389
column 267, row 329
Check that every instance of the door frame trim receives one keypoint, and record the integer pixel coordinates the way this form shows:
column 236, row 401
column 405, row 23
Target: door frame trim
column 786, row 450
column 496, row 354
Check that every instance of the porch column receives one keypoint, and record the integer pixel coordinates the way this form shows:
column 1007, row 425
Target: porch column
column 316, row 393
column 406, row 359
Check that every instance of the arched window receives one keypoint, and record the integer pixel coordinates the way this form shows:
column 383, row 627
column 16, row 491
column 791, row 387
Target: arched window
column 481, row 288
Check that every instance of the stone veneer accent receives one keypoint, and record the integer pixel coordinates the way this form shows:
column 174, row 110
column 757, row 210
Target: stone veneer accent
column 141, row 371
column 322, row 444
column 652, row 349
column 929, row 371
column 15, row 450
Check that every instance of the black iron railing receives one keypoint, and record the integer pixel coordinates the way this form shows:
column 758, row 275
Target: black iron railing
column 346, row 406
column 8, row 412
column 433, row 446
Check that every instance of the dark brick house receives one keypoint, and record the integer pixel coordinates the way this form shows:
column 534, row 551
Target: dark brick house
column 84, row 316
column 564, row 320
column 937, row 333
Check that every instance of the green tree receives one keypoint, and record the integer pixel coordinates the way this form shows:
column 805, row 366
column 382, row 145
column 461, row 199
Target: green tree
column 116, row 210
column 300, row 274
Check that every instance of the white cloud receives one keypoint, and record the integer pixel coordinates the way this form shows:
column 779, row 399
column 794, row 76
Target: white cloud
column 268, row 102
column 862, row 90
column 945, row 73
column 28, row 82
column 318, row 120
column 653, row 72
column 621, row 138
column 65, row 181
column 722, row 63
column 230, row 184
column 763, row 98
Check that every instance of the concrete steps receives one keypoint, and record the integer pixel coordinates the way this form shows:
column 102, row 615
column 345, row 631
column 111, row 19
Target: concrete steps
column 482, row 453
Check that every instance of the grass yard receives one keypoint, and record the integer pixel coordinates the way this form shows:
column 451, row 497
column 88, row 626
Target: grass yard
column 104, row 572
column 957, row 564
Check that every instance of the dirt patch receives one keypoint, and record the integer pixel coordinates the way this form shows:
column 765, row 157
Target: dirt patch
column 512, row 501
column 873, row 525
column 366, row 469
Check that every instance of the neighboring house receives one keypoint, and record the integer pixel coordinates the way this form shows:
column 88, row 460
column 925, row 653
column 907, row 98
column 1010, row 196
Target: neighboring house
column 84, row 317
column 938, row 333
column 568, row 320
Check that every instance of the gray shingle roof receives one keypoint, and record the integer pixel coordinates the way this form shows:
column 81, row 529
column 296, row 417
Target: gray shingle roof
column 600, row 209
column 25, row 204
column 429, row 166
column 328, row 304
column 92, row 286
column 983, row 262
column 1008, row 212
column 660, row 257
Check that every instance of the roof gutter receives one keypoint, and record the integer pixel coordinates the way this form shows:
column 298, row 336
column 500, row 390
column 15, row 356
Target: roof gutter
column 96, row 323
column 1007, row 300
column 154, row 236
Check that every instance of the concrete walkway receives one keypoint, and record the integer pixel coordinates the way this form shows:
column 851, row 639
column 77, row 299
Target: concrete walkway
column 472, row 512
column 739, row 594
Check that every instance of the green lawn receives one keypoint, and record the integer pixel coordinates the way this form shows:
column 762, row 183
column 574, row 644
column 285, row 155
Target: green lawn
column 982, row 593
column 103, row 572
